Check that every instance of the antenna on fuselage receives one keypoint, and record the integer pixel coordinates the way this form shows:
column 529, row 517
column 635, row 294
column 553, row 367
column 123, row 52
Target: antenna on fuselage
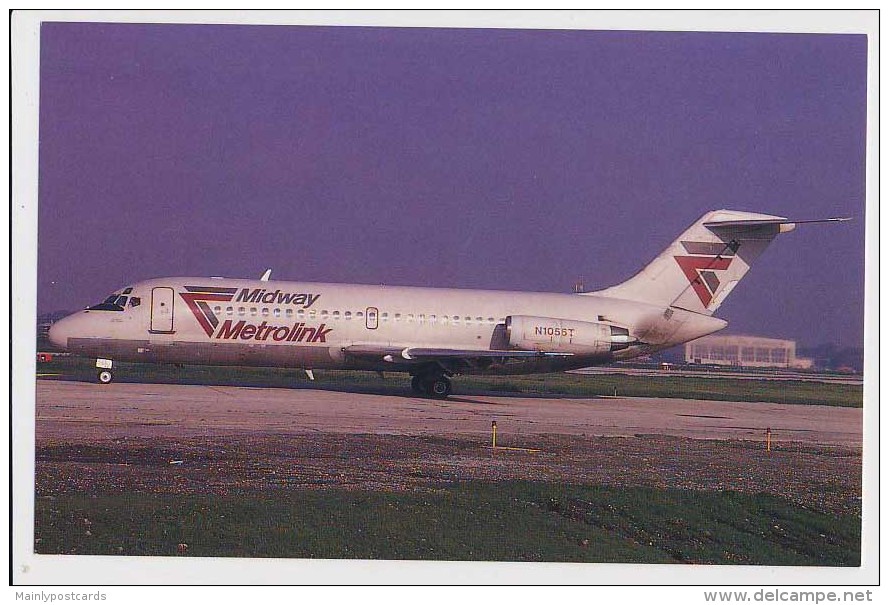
column 266, row 275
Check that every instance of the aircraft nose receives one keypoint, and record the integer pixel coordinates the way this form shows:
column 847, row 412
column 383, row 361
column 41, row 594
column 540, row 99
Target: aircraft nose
column 60, row 331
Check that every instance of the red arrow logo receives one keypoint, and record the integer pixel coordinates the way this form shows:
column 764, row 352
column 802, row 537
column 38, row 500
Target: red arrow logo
column 694, row 266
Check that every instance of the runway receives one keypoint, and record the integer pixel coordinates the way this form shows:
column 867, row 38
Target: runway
column 76, row 410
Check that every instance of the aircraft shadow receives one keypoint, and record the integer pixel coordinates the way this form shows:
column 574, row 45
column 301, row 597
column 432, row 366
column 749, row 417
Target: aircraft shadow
column 390, row 387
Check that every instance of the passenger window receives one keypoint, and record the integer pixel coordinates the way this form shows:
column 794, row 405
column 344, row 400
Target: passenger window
column 384, row 316
column 135, row 301
column 217, row 309
column 289, row 312
column 253, row 311
column 410, row 317
column 300, row 313
column 312, row 314
column 229, row 310
column 398, row 317
column 336, row 314
column 490, row 320
column 242, row 311
column 276, row 312
column 359, row 314
column 468, row 320
column 421, row 317
column 265, row 312
column 324, row 314
column 348, row 315
column 456, row 319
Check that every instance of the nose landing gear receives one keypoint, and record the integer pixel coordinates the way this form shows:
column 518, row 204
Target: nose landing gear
column 436, row 385
column 104, row 375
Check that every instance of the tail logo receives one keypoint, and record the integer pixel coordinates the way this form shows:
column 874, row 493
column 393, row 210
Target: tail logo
column 196, row 299
column 706, row 258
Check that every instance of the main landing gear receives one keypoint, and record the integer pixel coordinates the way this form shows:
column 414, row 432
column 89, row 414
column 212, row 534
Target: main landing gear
column 437, row 386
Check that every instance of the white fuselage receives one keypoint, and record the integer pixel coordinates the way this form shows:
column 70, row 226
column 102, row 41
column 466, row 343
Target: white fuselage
column 316, row 325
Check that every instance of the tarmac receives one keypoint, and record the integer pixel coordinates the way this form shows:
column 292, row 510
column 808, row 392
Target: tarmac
column 77, row 410
column 138, row 438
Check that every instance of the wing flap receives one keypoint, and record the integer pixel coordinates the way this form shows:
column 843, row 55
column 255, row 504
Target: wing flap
column 471, row 353
column 420, row 354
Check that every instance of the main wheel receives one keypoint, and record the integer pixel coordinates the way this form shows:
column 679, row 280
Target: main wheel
column 417, row 385
column 105, row 376
column 439, row 387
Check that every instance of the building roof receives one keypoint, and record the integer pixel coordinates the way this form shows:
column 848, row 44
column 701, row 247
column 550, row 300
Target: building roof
column 742, row 338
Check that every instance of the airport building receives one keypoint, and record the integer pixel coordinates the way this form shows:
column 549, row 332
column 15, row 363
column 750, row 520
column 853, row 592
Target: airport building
column 745, row 351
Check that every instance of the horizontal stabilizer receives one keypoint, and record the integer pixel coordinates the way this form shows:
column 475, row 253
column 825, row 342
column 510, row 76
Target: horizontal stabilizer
column 774, row 221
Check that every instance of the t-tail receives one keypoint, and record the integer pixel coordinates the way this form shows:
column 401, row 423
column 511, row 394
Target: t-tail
column 701, row 268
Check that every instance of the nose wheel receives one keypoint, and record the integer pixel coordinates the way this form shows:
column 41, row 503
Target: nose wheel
column 105, row 376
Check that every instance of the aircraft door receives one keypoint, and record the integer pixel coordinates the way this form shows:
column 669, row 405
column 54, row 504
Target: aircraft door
column 162, row 302
column 372, row 318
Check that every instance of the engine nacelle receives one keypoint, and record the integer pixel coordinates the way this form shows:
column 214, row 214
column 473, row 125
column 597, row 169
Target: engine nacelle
column 565, row 335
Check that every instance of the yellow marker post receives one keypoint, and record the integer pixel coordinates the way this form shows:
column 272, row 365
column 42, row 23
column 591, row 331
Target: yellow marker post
column 769, row 439
column 506, row 448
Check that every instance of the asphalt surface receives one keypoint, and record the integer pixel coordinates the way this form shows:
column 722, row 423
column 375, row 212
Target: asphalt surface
column 76, row 410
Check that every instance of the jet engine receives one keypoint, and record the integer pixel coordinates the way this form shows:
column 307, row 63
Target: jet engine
column 565, row 335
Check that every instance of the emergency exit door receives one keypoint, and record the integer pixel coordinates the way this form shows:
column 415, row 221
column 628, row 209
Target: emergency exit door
column 372, row 318
column 162, row 310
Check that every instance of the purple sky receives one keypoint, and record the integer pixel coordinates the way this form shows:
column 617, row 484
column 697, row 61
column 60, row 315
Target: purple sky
column 504, row 159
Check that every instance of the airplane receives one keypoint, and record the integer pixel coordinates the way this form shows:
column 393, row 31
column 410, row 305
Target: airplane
column 432, row 334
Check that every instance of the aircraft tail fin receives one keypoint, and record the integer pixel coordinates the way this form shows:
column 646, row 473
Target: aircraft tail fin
column 704, row 264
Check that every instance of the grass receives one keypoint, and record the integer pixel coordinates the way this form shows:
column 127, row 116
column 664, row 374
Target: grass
column 559, row 384
column 478, row 521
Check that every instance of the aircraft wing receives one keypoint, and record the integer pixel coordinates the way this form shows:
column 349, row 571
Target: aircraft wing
column 422, row 355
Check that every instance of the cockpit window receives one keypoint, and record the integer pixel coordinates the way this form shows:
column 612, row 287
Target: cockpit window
column 115, row 302
column 105, row 306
